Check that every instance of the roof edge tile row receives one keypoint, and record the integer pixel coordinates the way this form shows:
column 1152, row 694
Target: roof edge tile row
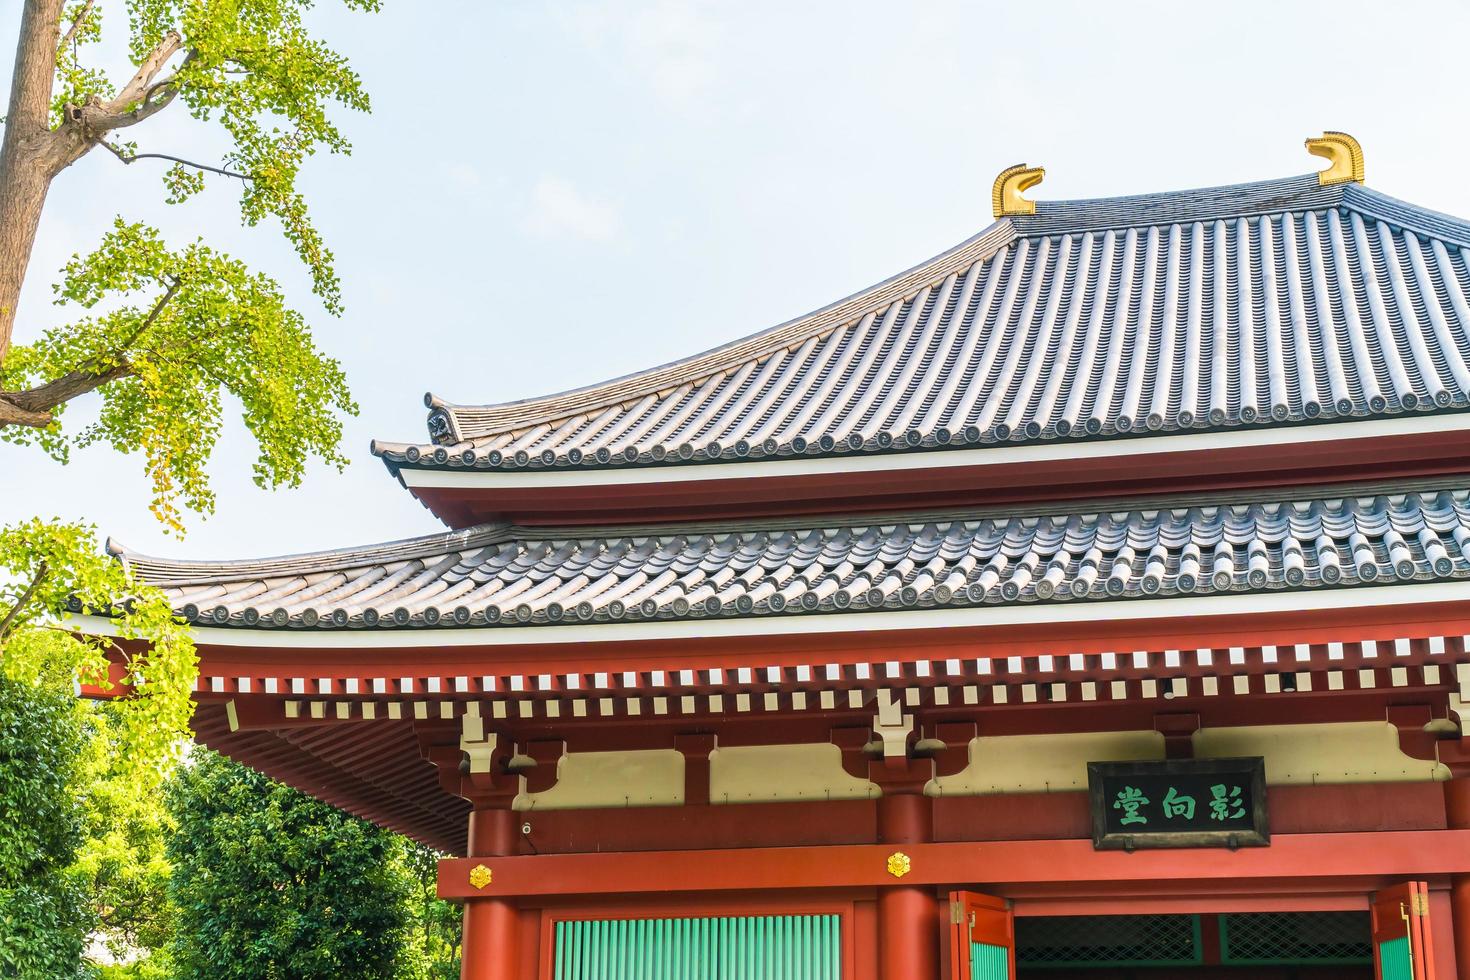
column 496, row 577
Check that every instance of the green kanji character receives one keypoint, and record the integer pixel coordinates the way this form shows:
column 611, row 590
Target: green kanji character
column 1226, row 803
column 1176, row 804
column 1129, row 801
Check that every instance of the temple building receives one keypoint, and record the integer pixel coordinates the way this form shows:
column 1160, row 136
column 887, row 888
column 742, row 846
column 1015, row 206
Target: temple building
column 1089, row 601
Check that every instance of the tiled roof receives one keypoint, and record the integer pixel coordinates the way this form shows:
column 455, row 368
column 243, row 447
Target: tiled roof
column 503, row 576
column 1261, row 304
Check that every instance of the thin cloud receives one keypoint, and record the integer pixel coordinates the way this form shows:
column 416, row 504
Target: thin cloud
column 672, row 44
column 559, row 209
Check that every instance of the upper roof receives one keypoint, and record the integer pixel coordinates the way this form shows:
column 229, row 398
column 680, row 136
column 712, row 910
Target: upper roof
column 502, row 576
column 1270, row 303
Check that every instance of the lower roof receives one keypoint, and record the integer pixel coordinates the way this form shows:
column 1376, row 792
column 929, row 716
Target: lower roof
column 502, row 577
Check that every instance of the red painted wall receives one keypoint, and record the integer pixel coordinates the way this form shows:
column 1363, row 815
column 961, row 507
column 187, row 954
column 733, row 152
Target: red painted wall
column 1020, row 816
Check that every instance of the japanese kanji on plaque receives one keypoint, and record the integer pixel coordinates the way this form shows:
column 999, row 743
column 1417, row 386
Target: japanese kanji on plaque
column 1179, row 803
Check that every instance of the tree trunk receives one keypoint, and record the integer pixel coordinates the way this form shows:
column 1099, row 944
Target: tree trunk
column 26, row 152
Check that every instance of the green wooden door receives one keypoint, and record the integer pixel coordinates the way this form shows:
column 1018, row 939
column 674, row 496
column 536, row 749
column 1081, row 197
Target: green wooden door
column 760, row 947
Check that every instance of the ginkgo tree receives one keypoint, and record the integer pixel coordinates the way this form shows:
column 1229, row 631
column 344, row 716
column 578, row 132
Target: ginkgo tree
column 164, row 334
column 166, row 337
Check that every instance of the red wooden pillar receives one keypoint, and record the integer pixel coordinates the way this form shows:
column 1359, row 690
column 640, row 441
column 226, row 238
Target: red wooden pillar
column 908, row 915
column 476, row 768
column 490, row 924
column 1457, row 817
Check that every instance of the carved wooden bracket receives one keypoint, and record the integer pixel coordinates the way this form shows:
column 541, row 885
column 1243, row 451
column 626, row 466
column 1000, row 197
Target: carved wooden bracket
column 948, row 744
column 1178, row 729
column 545, row 757
column 1423, row 735
column 696, row 749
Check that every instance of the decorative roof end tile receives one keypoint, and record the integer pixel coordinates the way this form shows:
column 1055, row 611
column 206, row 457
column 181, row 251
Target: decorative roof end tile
column 1345, row 154
column 1005, row 195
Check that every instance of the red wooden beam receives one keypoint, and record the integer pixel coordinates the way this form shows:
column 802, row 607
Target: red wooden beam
column 1411, row 620
column 906, row 489
column 1294, row 858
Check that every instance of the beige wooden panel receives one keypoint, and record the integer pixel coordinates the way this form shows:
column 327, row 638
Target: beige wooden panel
column 1342, row 752
column 652, row 777
column 1043, row 763
column 772, row 773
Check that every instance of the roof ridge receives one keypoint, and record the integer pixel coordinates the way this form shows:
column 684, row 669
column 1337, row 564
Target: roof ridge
column 1302, row 192
column 1395, row 211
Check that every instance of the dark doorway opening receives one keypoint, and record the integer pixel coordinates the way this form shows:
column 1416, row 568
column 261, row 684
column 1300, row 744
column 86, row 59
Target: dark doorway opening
column 1229, row 946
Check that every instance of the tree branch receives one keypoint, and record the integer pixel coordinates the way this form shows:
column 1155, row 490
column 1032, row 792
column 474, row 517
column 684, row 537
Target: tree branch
column 137, row 87
column 88, row 123
column 10, row 617
column 127, row 157
column 76, row 25
column 97, row 120
column 35, row 407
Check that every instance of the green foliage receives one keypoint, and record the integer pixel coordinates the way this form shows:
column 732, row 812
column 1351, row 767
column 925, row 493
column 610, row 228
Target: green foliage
column 167, row 333
column 189, row 326
column 252, row 66
column 270, row 884
column 120, row 857
column 76, row 82
column 44, row 568
column 440, row 924
column 43, row 916
column 156, row 966
column 170, row 337
column 118, row 751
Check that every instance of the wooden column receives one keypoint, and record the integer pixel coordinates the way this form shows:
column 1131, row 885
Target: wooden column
column 490, row 923
column 476, row 765
column 1457, row 817
column 908, row 915
column 909, row 933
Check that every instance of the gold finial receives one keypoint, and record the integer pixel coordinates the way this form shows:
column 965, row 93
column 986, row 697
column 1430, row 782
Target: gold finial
column 1005, row 196
column 1345, row 153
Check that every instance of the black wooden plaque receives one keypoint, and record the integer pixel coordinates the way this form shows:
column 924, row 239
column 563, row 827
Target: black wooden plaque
column 1178, row 803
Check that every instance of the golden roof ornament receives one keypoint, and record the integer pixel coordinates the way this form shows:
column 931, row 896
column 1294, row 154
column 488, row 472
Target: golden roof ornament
column 1345, row 153
column 1005, row 196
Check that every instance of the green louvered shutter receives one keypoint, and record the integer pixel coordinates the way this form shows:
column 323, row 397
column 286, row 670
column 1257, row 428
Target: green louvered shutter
column 1395, row 962
column 762, row 947
column 989, row 962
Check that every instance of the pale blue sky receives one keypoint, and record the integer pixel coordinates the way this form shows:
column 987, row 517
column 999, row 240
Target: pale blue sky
column 547, row 195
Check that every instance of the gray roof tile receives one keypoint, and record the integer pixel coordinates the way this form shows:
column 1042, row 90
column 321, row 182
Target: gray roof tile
column 1272, row 303
column 502, row 576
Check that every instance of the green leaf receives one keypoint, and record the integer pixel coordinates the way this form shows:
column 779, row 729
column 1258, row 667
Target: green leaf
column 189, row 326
